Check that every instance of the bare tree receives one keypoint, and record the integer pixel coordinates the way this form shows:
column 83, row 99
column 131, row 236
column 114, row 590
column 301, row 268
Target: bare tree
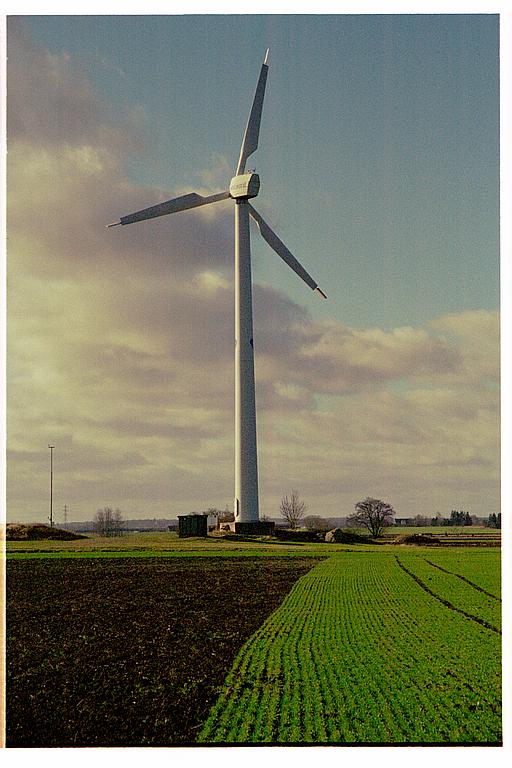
column 421, row 520
column 292, row 509
column 108, row 522
column 373, row 514
column 99, row 522
column 226, row 516
column 117, row 522
column 316, row 523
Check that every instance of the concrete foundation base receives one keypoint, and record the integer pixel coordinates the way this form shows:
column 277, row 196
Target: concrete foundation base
column 255, row 528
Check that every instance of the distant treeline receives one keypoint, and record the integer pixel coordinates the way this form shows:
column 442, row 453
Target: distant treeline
column 457, row 517
column 144, row 524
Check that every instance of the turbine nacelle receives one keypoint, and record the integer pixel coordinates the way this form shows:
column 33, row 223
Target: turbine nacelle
column 244, row 186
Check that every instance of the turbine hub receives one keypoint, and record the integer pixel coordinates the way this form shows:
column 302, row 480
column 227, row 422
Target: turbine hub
column 244, row 186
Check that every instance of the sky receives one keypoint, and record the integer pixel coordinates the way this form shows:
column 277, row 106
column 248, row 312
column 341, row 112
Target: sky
column 379, row 165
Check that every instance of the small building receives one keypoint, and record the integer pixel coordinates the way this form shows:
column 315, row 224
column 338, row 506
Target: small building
column 405, row 521
column 192, row 525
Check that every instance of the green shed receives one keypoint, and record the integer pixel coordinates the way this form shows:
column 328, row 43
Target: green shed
column 192, row 525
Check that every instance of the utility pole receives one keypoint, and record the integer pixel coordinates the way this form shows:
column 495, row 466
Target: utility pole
column 65, row 515
column 51, row 447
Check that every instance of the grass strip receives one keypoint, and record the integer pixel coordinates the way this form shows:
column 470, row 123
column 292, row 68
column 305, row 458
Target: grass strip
column 115, row 554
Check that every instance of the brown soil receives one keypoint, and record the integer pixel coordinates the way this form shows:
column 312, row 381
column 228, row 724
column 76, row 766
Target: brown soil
column 129, row 652
column 38, row 532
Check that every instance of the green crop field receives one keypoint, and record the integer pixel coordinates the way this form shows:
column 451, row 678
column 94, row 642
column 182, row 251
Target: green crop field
column 372, row 648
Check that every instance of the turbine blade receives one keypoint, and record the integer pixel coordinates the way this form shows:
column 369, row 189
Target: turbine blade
column 280, row 248
column 252, row 129
column 182, row 203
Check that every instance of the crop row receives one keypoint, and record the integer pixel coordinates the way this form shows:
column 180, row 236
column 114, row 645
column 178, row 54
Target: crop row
column 455, row 592
column 482, row 568
column 360, row 653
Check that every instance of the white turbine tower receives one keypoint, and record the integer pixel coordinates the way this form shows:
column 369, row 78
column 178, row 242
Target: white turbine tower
column 244, row 185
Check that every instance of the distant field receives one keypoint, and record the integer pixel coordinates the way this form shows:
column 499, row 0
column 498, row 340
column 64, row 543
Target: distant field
column 156, row 545
column 442, row 530
column 169, row 544
column 379, row 649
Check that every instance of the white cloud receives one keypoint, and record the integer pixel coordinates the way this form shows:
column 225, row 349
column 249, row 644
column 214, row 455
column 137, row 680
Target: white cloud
column 121, row 349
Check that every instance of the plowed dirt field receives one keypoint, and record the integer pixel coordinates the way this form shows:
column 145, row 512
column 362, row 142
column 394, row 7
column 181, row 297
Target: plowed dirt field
column 129, row 652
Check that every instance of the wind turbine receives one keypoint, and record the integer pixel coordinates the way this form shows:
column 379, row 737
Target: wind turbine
column 244, row 186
